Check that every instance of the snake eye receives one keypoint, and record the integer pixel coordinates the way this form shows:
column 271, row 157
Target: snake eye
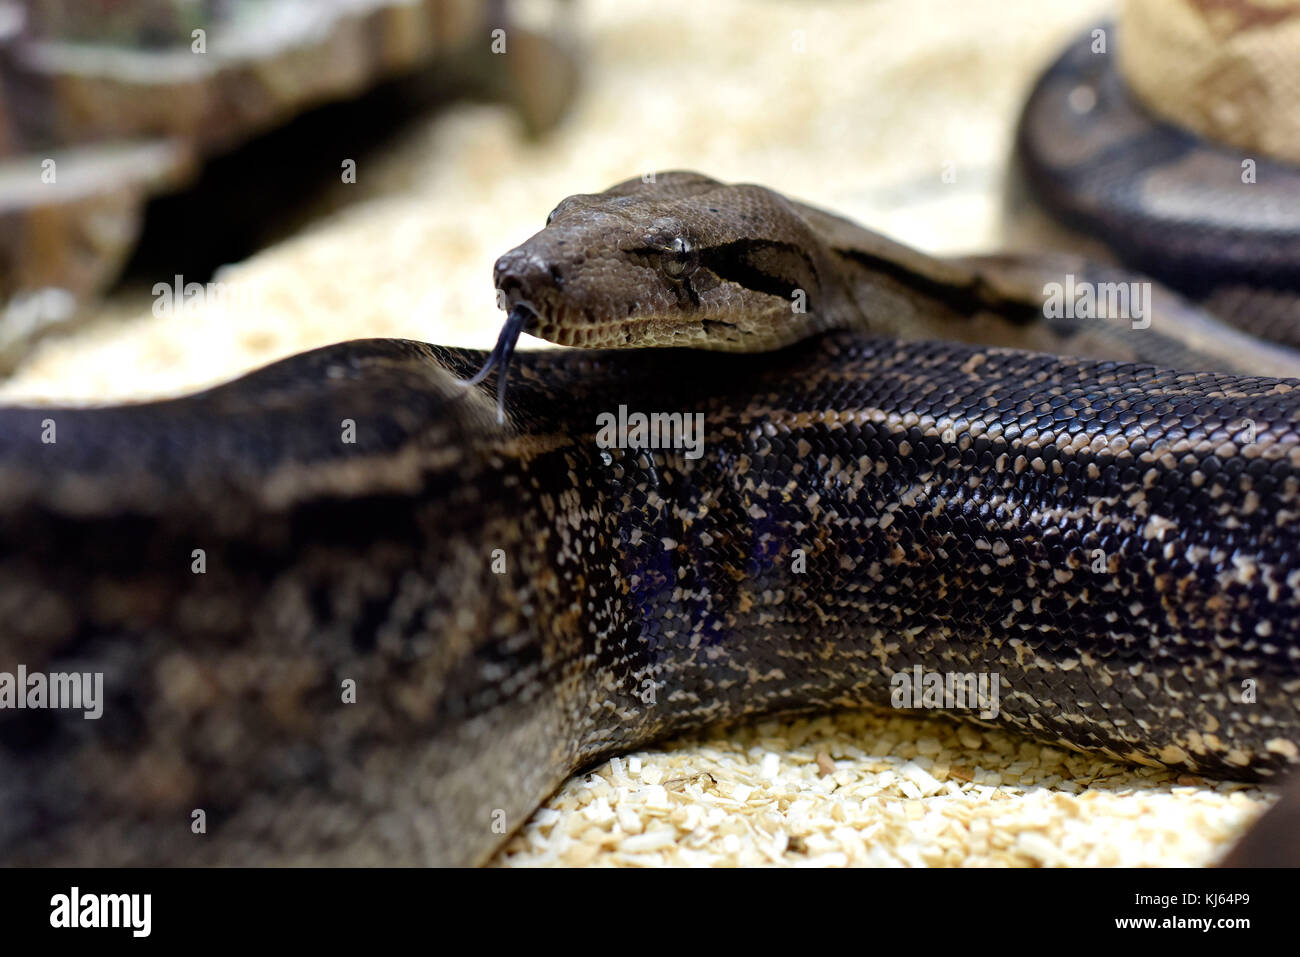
column 680, row 258
column 551, row 215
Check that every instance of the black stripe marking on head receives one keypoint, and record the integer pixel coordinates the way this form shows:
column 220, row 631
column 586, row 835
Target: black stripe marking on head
column 965, row 299
column 749, row 263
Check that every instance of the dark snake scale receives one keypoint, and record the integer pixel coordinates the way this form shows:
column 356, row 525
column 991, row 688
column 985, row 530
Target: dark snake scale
column 396, row 647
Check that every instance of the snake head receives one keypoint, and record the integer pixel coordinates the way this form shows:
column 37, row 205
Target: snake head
column 677, row 259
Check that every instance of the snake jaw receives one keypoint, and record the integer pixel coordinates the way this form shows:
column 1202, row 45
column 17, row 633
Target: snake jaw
column 519, row 318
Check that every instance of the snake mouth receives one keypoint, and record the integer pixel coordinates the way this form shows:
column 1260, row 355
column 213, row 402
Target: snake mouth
column 556, row 326
column 570, row 326
column 522, row 315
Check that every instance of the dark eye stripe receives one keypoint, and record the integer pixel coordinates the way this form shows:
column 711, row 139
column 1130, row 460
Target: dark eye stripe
column 762, row 265
column 965, row 299
column 688, row 290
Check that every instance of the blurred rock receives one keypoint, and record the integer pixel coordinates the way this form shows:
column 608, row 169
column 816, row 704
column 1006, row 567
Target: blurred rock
column 104, row 103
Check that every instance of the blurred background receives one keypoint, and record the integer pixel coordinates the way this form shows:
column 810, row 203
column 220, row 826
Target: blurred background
column 231, row 164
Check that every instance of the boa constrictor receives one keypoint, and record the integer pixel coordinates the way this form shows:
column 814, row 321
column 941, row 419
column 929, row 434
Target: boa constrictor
column 355, row 612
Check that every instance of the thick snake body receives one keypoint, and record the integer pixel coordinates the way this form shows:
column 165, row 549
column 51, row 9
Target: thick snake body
column 948, row 500
column 344, row 615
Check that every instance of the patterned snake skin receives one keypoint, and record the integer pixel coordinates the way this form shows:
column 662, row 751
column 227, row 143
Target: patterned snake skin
column 396, row 647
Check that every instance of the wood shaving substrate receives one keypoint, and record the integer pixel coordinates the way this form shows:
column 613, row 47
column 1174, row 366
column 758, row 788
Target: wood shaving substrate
column 879, row 790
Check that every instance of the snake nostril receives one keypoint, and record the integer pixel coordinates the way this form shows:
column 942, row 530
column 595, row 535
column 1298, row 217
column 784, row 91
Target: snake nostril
column 525, row 275
column 513, row 281
column 507, row 282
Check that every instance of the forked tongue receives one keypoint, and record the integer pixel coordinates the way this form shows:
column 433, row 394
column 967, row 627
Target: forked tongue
column 517, row 320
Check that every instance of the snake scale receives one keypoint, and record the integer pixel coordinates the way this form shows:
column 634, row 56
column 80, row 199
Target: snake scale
column 394, row 645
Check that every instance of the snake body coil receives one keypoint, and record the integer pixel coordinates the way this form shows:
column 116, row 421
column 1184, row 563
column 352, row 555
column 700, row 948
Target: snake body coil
column 1220, row 224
